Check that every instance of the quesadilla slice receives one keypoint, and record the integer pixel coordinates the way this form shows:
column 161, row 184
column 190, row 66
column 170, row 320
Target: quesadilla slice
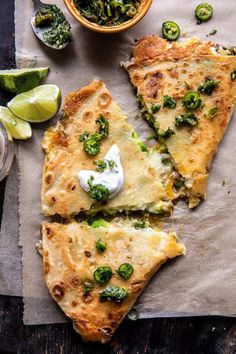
column 187, row 93
column 95, row 161
column 96, row 273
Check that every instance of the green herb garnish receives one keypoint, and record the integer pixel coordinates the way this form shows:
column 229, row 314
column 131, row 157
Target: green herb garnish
column 143, row 147
column 109, row 12
column 101, row 246
column 102, row 274
column 88, row 285
column 97, row 191
column 111, row 164
column 139, row 225
column 166, row 134
column 113, row 293
column 125, row 270
column 169, row 102
column 59, row 34
column 208, row 87
column 155, row 107
column 103, row 127
column 179, row 184
column 91, row 142
column 186, row 119
column 101, row 165
column 84, row 136
column 213, row 32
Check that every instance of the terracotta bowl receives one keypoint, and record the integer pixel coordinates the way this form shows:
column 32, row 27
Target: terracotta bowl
column 143, row 8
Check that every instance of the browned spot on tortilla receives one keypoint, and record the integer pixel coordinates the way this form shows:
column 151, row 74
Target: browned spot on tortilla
column 104, row 100
column 58, row 291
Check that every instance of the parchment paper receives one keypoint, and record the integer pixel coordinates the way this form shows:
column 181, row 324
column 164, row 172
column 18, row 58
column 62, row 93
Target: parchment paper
column 203, row 282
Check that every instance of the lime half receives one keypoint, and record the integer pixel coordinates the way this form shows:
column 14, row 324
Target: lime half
column 15, row 127
column 21, row 80
column 37, row 105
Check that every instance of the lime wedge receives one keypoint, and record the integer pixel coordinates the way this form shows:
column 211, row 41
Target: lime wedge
column 37, row 105
column 15, row 127
column 21, row 80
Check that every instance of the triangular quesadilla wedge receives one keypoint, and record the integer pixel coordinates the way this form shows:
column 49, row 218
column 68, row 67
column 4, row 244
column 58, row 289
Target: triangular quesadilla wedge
column 96, row 273
column 94, row 127
column 187, row 92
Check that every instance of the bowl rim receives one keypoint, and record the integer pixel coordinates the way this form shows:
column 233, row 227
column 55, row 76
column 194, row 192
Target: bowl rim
column 144, row 7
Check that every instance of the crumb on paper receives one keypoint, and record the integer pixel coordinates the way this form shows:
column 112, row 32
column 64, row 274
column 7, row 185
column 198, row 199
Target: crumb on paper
column 184, row 34
column 223, row 183
column 212, row 32
column 39, row 247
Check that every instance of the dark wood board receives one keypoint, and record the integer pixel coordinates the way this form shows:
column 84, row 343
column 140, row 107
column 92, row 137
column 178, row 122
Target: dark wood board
column 163, row 336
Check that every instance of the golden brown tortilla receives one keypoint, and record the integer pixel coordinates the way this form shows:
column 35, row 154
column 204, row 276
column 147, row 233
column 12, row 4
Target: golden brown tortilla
column 159, row 68
column 70, row 256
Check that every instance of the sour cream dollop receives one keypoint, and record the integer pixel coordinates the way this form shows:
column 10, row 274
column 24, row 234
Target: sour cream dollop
column 111, row 178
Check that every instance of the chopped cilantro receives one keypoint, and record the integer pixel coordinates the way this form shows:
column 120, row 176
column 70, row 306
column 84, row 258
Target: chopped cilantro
column 143, row 147
column 166, row 134
column 208, row 87
column 101, row 165
column 112, row 164
column 155, row 107
column 169, row 102
column 187, row 118
column 84, row 136
column 139, row 225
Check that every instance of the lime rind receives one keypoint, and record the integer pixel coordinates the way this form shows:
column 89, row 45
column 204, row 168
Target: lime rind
column 37, row 105
column 16, row 128
column 21, row 80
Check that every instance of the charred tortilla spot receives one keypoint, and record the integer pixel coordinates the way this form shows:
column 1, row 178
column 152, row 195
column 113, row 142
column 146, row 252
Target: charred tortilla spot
column 74, row 303
column 72, row 186
column 60, row 138
column 153, row 84
column 87, row 254
column 87, row 298
column 46, row 267
column 104, row 100
column 174, row 74
column 75, row 281
column 58, row 291
column 49, row 178
column 49, row 231
column 53, row 200
column 88, row 116
column 110, row 316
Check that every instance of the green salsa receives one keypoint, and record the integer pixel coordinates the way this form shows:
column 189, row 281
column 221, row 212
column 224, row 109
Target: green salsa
column 109, row 12
column 59, row 34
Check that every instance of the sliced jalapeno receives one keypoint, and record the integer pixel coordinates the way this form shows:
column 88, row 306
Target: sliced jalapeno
column 192, row 100
column 91, row 146
column 204, row 12
column 170, row 30
column 102, row 274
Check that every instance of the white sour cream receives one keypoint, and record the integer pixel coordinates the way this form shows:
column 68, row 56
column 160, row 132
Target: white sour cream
column 112, row 179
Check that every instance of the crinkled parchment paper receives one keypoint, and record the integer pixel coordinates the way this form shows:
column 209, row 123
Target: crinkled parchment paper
column 203, row 282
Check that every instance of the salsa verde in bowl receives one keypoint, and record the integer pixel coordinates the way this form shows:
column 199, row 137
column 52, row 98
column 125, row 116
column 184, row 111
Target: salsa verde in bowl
column 109, row 16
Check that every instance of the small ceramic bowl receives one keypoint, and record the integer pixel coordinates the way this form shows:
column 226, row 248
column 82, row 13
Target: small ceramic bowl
column 143, row 8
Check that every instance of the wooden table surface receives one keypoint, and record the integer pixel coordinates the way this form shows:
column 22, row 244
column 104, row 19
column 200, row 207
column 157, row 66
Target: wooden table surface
column 170, row 335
